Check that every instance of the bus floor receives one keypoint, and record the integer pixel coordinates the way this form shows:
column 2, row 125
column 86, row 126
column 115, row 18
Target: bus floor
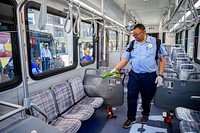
column 99, row 123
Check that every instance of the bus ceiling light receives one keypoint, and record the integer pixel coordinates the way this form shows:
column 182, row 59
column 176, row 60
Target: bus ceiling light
column 196, row 5
column 95, row 11
column 87, row 7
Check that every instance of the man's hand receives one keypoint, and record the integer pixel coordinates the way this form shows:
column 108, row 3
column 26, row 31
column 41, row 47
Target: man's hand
column 114, row 70
column 159, row 81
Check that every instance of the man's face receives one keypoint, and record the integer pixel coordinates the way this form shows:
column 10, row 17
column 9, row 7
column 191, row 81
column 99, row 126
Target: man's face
column 138, row 34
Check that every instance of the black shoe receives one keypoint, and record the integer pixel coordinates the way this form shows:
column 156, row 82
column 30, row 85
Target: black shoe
column 144, row 119
column 129, row 123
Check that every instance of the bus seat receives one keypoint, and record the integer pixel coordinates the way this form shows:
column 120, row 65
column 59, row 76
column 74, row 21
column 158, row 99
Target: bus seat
column 180, row 61
column 66, row 104
column 175, row 51
column 194, row 76
column 169, row 65
column 170, row 73
column 102, row 70
column 189, row 127
column 185, row 70
column 187, row 114
column 45, row 103
column 111, row 89
column 80, row 95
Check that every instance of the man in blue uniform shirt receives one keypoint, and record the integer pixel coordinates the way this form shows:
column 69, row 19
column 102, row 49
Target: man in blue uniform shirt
column 143, row 77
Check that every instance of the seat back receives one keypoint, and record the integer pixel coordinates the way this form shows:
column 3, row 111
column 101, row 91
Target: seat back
column 103, row 70
column 180, row 61
column 45, row 102
column 63, row 96
column 77, row 88
column 170, row 73
column 194, row 76
column 185, row 70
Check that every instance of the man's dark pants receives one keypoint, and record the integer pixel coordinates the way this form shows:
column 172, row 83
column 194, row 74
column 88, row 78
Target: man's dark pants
column 143, row 83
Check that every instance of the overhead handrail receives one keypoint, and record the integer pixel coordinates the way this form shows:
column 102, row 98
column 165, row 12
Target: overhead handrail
column 93, row 24
column 189, row 4
column 195, row 13
column 77, row 20
column 69, row 14
column 43, row 15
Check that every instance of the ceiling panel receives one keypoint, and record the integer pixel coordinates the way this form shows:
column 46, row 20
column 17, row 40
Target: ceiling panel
column 146, row 11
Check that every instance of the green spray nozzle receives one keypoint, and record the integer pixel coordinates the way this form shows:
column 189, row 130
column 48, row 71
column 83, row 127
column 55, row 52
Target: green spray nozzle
column 109, row 74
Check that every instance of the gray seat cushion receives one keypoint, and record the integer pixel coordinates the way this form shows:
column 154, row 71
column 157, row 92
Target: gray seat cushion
column 45, row 102
column 81, row 112
column 187, row 114
column 94, row 102
column 66, row 125
column 66, row 105
column 189, row 127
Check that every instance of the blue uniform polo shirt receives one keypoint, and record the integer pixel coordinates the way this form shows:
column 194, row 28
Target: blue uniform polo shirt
column 143, row 55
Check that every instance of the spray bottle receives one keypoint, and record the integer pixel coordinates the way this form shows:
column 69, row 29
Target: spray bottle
column 116, row 74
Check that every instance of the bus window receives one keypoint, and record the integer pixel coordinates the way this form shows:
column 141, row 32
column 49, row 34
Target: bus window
column 86, row 44
column 190, row 43
column 6, row 59
column 126, row 41
column 51, row 48
column 112, row 40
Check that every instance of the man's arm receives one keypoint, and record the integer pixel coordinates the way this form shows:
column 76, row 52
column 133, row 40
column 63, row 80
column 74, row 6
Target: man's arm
column 162, row 65
column 121, row 64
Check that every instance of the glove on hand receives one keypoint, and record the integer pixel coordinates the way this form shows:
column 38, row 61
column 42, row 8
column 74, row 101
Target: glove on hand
column 159, row 81
column 114, row 70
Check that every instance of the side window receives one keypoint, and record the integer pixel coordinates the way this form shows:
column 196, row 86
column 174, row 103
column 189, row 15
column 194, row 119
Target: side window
column 52, row 48
column 6, row 57
column 86, row 44
column 10, row 70
column 190, row 43
column 112, row 40
column 126, row 41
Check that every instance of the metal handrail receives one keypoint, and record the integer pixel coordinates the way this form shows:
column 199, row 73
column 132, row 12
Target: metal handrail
column 77, row 20
column 17, row 110
column 22, row 53
column 40, row 111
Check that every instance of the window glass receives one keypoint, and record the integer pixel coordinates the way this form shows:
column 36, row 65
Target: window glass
column 198, row 46
column 50, row 48
column 190, row 43
column 86, row 43
column 6, row 59
column 182, row 39
column 126, row 41
column 112, row 40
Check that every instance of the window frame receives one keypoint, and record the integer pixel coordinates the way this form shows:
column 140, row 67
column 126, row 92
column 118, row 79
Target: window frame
column 53, row 11
column 11, row 21
column 196, row 45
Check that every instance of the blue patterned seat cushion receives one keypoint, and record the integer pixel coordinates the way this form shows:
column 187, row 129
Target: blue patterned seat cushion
column 66, row 105
column 189, row 127
column 44, row 100
column 66, row 125
column 187, row 114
